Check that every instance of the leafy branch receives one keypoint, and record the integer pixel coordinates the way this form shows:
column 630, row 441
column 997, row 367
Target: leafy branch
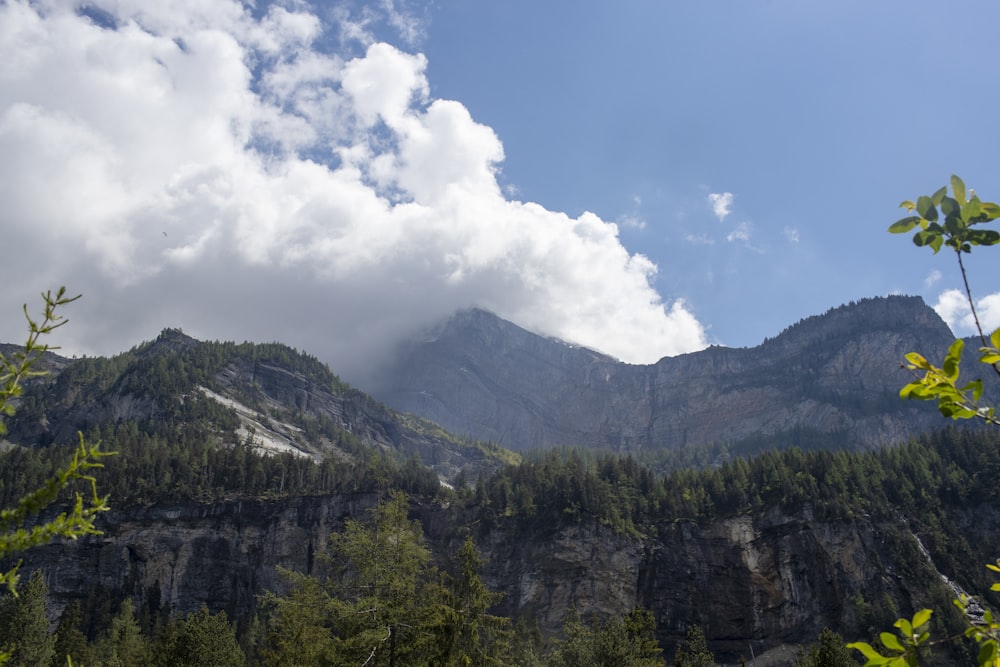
column 78, row 521
column 953, row 222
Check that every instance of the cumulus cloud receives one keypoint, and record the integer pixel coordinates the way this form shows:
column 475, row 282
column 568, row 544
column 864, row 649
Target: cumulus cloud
column 197, row 165
column 722, row 204
column 953, row 307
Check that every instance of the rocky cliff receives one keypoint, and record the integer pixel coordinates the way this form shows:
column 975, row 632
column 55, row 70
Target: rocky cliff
column 754, row 583
column 830, row 380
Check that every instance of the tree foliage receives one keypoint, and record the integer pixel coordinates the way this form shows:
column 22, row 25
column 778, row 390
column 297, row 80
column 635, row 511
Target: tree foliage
column 382, row 602
column 628, row 641
column 24, row 628
column 953, row 222
column 694, row 651
column 15, row 533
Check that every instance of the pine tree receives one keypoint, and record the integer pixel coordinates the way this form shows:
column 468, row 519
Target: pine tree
column 472, row 635
column 620, row 642
column 123, row 644
column 387, row 604
column 24, row 627
column 202, row 640
column 70, row 641
column 829, row 651
column 694, row 651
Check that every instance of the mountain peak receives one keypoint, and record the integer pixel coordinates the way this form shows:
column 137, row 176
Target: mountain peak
column 829, row 380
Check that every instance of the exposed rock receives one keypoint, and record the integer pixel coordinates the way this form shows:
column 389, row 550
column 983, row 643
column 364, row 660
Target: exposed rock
column 766, row 582
column 830, row 380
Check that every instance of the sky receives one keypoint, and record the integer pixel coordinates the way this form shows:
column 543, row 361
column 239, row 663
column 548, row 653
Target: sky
column 641, row 178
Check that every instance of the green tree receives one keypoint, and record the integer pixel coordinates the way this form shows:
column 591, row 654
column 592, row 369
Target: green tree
column 953, row 222
column 694, row 652
column 472, row 635
column 628, row 641
column 957, row 226
column 24, row 626
column 14, row 538
column 123, row 644
column 828, row 651
column 382, row 602
column 201, row 639
column 70, row 641
column 298, row 630
column 386, row 603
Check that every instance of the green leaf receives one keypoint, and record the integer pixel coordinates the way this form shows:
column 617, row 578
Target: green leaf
column 874, row 657
column 917, row 360
column 924, row 615
column 953, row 358
column 904, row 225
column 939, row 195
column 890, row 641
column 905, row 628
column 995, row 338
column 924, row 237
column 925, row 207
column 950, row 207
column 907, row 204
column 971, row 210
column 983, row 237
column 990, row 210
column 987, row 652
column 958, row 188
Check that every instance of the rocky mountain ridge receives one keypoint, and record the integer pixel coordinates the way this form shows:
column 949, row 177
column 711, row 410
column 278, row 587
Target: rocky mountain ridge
column 270, row 397
column 829, row 381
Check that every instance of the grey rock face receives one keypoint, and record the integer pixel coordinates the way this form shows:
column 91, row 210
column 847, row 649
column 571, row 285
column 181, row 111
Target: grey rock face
column 772, row 580
column 833, row 378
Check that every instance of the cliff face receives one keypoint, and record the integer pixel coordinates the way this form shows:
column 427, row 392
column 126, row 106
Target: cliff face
column 831, row 379
column 765, row 581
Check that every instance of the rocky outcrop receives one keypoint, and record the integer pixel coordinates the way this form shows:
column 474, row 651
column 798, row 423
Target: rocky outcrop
column 754, row 583
column 830, row 380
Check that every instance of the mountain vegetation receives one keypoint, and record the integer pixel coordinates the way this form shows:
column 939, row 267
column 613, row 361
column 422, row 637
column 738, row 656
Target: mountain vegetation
column 266, row 513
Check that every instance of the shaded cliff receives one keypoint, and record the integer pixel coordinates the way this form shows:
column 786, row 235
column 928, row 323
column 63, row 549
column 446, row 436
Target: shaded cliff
column 828, row 381
column 767, row 581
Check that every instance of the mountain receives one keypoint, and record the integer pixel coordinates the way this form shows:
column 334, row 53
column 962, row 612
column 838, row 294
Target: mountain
column 235, row 459
column 266, row 398
column 828, row 381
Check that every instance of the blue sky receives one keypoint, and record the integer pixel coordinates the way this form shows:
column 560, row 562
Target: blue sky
column 818, row 118
column 642, row 178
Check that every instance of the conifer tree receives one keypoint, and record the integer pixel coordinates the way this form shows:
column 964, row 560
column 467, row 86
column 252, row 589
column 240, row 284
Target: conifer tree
column 386, row 602
column 24, row 627
column 202, row 639
column 694, row 652
column 70, row 641
column 473, row 636
column 123, row 644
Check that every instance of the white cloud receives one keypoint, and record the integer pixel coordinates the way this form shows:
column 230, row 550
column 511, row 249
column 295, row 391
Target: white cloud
column 792, row 234
column 317, row 199
column 953, row 307
column 741, row 232
column 722, row 204
column 699, row 239
column 932, row 277
column 631, row 221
